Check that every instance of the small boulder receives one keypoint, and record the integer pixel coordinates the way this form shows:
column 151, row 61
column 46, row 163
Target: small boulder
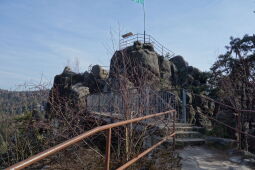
column 201, row 119
column 79, row 90
column 192, row 114
column 99, row 73
column 149, row 47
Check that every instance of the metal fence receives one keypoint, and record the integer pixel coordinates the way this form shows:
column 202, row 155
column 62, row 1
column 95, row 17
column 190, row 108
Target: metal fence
column 140, row 102
column 159, row 48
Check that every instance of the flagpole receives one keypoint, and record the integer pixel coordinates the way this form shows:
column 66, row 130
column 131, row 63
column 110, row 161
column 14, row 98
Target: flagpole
column 143, row 23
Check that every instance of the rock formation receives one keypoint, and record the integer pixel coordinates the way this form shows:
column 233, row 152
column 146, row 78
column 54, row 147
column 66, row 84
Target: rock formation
column 188, row 76
column 70, row 88
column 137, row 63
column 135, row 66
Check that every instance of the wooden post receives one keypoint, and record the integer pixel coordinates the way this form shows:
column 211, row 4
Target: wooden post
column 108, row 149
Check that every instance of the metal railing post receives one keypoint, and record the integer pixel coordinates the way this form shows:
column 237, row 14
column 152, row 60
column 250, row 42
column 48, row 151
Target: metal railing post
column 173, row 143
column 108, row 149
column 174, row 119
column 184, row 118
column 239, row 140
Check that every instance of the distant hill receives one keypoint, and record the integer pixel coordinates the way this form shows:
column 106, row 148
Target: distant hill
column 17, row 102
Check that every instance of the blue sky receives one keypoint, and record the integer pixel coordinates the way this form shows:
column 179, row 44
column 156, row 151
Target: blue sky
column 39, row 37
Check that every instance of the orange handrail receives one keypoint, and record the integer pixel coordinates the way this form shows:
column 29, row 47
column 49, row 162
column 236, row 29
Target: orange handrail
column 126, row 165
column 108, row 127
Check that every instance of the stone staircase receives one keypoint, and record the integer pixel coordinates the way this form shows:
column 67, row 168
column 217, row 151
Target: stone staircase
column 187, row 134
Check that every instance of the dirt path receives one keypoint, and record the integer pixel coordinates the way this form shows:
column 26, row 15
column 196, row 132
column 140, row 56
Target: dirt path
column 204, row 158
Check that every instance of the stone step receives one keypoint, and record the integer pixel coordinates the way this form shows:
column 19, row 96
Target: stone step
column 188, row 134
column 192, row 128
column 183, row 125
column 162, row 125
column 190, row 141
column 180, row 142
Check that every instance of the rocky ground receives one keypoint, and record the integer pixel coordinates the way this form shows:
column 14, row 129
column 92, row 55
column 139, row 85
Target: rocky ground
column 204, row 158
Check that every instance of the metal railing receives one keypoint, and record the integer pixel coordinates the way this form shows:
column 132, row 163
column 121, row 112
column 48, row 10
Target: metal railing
column 240, row 116
column 146, row 102
column 158, row 47
column 239, row 119
column 107, row 128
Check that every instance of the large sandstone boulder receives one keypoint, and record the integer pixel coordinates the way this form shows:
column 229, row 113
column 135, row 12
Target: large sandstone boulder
column 138, row 63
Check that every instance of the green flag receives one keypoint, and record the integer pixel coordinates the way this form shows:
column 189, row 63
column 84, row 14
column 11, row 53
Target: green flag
column 139, row 1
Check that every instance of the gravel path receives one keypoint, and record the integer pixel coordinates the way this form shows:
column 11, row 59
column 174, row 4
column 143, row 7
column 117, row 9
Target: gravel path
column 204, row 158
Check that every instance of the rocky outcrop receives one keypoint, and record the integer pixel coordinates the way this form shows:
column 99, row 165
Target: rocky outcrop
column 70, row 89
column 140, row 63
column 202, row 119
column 137, row 63
column 188, row 76
column 135, row 66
